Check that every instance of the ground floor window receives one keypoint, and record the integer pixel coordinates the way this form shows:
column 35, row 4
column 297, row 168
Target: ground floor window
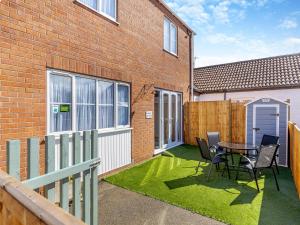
column 78, row 103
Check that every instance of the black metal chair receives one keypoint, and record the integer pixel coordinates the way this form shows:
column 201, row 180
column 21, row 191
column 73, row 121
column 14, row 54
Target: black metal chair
column 213, row 140
column 214, row 160
column 264, row 160
column 270, row 140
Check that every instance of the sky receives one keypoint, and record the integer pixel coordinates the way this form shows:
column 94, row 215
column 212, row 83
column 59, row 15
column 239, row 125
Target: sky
column 236, row 30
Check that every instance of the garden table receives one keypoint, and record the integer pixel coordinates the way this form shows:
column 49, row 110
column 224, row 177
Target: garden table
column 235, row 148
column 238, row 148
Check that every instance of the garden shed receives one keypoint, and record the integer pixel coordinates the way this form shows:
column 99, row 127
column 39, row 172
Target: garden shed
column 268, row 116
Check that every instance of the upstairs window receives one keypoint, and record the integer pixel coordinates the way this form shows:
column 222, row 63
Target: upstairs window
column 106, row 7
column 170, row 37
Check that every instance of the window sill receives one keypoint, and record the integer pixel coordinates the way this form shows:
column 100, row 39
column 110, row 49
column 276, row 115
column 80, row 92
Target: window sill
column 170, row 53
column 100, row 131
column 97, row 13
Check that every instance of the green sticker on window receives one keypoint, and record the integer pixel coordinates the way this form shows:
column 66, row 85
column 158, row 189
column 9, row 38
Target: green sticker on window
column 64, row 108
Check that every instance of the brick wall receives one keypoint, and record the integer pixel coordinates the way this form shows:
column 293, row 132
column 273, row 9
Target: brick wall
column 36, row 35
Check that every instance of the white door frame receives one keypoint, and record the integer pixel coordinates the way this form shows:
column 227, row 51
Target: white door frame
column 255, row 106
column 170, row 143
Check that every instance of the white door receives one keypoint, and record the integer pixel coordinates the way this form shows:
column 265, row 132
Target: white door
column 265, row 121
column 168, row 119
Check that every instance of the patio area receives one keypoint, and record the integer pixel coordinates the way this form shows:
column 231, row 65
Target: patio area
column 171, row 178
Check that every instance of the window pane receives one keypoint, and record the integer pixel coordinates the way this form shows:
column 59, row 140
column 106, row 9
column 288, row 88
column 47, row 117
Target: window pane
column 106, row 104
column 109, row 7
column 86, row 117
column 86, row 103
column 90, row 3
column 60, row 89
column 123, row 94
column 60, row 121
column 106, row 118
column 166, row 35
column 60, row 95
column 123, row 105
column 85, row 91
column 123, row 115
column 106, row 92
column 173, row 39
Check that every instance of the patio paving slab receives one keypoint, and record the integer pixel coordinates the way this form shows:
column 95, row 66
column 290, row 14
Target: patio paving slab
column 119, row 206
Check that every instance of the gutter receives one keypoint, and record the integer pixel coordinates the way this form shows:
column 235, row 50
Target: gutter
column 192, row 65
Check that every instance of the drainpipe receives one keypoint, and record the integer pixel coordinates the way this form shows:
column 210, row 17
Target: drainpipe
column 192, row 63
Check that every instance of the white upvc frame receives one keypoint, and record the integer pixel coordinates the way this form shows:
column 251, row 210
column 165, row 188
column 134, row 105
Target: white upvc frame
column 170, row 37
column 255, row 106
column 117, row 106
column 170, row 144
column 98, row 10
column 73, row 106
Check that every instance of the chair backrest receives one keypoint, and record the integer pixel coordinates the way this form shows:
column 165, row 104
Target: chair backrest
column 269, row 140
column 213, row 138
column 204, row 151
column 266, row 156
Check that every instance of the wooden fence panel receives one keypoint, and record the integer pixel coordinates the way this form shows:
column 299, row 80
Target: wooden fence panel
column 238, row 123
column 294, row 144
column 224, row 116
column 20, row 205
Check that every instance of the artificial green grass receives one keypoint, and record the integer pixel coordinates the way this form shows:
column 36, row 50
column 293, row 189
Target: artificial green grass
column 171, row 178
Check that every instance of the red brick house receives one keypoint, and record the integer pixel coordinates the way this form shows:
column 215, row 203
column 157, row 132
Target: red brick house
column 122, row 67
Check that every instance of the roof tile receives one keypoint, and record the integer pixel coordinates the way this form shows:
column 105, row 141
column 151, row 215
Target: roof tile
column 274, row 72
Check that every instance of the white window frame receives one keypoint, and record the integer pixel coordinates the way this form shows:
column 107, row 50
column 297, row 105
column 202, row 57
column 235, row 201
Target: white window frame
column 168, row 48
column 98, row 10
column 74, row 103
column 114, row 104
column 117, row 106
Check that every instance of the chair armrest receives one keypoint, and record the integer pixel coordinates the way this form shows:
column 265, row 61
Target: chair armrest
column 219, row 155
column 213, row 146
column 249, row 161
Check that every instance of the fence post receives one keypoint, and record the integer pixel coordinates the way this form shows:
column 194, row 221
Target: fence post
column 64, row 162
column 13, row 158
column 76, row 178
column 50, row 165
column 94, row 181
column 33, row 165
column 86, row 178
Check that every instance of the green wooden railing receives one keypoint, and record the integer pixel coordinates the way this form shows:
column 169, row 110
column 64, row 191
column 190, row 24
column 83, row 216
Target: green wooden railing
column 84, row 206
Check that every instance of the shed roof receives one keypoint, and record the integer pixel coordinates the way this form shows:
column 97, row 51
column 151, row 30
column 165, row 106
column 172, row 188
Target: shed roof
column 266, row 73
column 270, row 98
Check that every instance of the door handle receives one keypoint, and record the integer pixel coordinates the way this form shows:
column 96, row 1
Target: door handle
column 256, row 129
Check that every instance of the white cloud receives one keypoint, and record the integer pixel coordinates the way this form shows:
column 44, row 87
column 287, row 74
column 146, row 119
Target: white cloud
column 221, row 11
column 220, row 38
column 288, row 24
column 227, row 10
column 190, row 10
column 261, row 3
column 292, row 41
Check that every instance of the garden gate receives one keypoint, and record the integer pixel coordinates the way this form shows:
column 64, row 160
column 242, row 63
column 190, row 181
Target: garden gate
column 81, row 169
